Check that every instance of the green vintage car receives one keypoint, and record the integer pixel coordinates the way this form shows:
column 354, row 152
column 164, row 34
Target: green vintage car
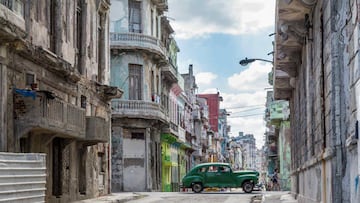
column 219, row 175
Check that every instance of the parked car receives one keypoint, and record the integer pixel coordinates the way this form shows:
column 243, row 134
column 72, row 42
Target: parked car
column 219, row 175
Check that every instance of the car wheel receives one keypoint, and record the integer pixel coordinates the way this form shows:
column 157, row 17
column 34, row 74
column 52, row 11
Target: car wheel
column 197, row 187
column 248, row 187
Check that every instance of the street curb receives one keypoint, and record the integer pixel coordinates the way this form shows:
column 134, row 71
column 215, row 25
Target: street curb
column 135, row 197
column 257, row 199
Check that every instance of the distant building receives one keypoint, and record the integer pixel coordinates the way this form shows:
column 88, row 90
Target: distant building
column 248, row 145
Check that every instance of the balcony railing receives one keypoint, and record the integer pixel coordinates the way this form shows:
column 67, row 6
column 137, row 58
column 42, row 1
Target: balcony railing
column 138, row 109
column 137, row 41
column 47, row 114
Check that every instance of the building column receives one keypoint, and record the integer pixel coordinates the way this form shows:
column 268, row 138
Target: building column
column 147, row 158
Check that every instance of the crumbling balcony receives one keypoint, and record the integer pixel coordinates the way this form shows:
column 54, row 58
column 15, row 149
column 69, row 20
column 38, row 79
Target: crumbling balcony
column 292, row 23
column 97, row 130
column 138, row 41
column 138, row 109
column 11, row 20
column 170, row 73
column 43, row 113
column 161, row 4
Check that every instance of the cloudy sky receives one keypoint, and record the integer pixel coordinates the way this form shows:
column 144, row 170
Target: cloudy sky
column 214, row 35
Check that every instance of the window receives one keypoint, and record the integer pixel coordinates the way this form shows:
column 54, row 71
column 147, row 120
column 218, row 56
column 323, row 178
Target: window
column 138, row 136
column 152, row 22
column 135, row 82
column 100, row 47
column 52, row 25
column 134, row 16
column 202, row 170
column 213, row 169
column 224, row 169
column 83, row 102
column 30, row 79
column 79, row 33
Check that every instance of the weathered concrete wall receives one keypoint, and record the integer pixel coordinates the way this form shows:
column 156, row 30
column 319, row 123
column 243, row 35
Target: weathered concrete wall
column 285, row 155
column 83, row 164
column 119, row 13
column 117, row 159
column 135, row 157
column 323, row 106
column 120, row 72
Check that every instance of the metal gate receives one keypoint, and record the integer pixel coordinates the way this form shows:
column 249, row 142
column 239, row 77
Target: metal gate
column 22, row 177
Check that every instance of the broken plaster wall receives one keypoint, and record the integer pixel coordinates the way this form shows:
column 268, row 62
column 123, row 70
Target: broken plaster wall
column 19, row 58
column 120, row 73
column 326, row 145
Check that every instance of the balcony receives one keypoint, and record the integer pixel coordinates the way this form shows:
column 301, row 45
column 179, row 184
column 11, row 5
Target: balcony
column 138, row 109
column 11, row 20
column 43, row 113
column 97, row 130
column 196, row 114
column 136, row 41
column 291, row 26
column 161, row 4
column 170, row 73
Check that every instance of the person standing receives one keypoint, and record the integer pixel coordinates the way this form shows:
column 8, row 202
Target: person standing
column 275, row 180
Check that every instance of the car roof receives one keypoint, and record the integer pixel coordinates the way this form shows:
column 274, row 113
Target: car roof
column 212, row 164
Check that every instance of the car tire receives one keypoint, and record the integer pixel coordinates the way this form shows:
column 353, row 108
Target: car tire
column 197, row 187
column 248, row 187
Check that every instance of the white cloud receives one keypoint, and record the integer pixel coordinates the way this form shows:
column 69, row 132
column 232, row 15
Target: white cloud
column 205, row 78
column 249, row 125
column 202, row 17
column 246, row 113
column 254, row 78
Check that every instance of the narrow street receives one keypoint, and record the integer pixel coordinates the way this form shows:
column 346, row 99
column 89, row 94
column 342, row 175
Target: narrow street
column 233, row 196
column 206, row 197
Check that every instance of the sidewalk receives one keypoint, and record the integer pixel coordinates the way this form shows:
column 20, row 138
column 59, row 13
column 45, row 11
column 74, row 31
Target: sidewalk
column 284, row 197
column 122, row 197
column 113, row 198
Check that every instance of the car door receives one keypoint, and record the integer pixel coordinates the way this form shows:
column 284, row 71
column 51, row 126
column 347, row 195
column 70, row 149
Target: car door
column 212, row 177
column 226, row 177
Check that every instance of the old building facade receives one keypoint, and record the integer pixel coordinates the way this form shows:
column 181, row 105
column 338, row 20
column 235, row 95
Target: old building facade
column 316, row 68
column 54, row 76
column 143, row 63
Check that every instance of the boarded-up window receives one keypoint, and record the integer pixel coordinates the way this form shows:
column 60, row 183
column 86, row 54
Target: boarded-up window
column 134, row 16
column 135, row 82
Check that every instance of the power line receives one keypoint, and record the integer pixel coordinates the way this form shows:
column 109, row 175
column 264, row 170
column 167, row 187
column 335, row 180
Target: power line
column 252, row 109
column 239, row 107
column 262, row 114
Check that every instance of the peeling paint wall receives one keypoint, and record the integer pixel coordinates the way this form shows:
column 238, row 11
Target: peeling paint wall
column 78, row 167
column 324, row 106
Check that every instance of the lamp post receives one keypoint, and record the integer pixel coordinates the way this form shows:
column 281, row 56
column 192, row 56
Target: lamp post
column 246, row 61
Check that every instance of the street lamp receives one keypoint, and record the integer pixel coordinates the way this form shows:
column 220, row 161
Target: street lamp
column 246, row 61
